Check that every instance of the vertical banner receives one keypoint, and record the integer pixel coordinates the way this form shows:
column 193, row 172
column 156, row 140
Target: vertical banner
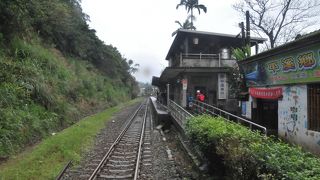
column 222, row 86
column 243, row 108
column 184, row 92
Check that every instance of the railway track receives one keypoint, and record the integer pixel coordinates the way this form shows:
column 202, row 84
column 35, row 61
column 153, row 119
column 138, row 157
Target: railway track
column 130, row 155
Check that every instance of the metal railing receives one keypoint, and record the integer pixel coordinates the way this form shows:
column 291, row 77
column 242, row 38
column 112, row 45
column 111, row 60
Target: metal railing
column 200, row 56
column 200, row 60
column 203, row 108
column 179, row 113
column 204, row 60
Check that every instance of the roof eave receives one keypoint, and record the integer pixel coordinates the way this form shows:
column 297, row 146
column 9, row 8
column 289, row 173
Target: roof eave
column 179, row 33
column 296, row 44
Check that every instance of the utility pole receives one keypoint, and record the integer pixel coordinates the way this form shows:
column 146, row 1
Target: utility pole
column 248, row 29
column 243, row 36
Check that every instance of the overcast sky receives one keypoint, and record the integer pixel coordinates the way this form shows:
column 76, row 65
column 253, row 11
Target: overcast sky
column 141, row 29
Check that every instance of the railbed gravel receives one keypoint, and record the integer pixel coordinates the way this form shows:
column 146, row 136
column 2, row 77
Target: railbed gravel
column 169, row 159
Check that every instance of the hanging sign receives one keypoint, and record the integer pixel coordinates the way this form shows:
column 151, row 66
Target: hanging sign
column 266, row 93
column 184, row 84
column 222, row 86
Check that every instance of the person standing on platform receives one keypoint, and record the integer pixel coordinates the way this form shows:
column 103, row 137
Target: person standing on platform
column 200, row 96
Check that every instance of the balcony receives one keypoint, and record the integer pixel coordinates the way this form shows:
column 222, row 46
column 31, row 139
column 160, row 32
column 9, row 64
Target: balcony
column 204, row 60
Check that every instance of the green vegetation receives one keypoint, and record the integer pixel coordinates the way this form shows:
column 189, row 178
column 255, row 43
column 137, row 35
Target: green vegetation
column 190, row 5
column 185, row 25
column 241, row 53
column 53, row 71
column 49, row 157
column 236, row 77
column 248, row 155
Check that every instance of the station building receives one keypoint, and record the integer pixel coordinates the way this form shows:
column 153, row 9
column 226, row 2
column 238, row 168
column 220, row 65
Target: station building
column 201, row 61
column 284, row 90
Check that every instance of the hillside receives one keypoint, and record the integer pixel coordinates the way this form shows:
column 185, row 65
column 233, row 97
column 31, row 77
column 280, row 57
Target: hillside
column 53, row 71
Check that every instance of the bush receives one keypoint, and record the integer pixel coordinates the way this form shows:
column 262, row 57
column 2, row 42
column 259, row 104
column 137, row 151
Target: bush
column 248, row 155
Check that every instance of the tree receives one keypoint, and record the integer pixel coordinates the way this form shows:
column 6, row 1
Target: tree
column 190, row 5
column 186, row 25
column 236, row 79
column 133, row 67
column 280, row 20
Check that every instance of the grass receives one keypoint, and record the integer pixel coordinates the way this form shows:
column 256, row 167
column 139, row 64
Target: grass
column 45, row 160
column 42, row 91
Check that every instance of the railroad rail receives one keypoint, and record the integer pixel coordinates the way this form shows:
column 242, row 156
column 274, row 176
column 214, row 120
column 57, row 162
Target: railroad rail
column 130, row 151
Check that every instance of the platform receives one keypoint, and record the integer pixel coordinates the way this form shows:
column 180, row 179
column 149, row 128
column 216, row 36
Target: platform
column 159, row 108
column 160, row 113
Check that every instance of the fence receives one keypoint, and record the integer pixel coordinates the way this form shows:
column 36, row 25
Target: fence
column 179, row 113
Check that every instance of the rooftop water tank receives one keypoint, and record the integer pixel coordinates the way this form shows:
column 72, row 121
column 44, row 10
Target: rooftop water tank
column 225, row 53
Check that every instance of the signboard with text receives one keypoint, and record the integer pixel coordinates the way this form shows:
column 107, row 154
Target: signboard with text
column 222, row 86
column 266, row 93
column 299, row 66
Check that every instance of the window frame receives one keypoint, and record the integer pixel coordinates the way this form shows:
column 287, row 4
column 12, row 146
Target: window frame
column 313, row 107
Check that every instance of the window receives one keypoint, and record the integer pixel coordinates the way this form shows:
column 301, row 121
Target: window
column 314, row 107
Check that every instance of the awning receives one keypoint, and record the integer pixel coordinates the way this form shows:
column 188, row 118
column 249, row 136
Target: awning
column 266, row 93
column 155, row 81
column 173, row 72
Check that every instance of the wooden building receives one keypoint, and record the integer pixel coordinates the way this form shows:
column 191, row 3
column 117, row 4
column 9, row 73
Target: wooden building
column 201, row 61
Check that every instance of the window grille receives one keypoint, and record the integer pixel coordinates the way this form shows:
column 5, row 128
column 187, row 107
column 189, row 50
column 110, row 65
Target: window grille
column 314, row 107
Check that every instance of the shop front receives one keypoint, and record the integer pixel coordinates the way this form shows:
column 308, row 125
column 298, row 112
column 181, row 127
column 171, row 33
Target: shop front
column 284, row 91
column 265, row 109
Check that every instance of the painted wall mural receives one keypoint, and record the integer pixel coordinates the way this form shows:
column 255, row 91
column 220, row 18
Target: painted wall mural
column 294, row 67
column 293, row 109
column 293, row 118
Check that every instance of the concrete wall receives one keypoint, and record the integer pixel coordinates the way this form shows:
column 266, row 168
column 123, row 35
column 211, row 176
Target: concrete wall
column 200, row 63
column 293, row 118
column 206, row 63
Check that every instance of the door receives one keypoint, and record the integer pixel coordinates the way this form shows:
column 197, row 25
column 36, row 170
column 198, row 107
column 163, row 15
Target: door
column 267, row 114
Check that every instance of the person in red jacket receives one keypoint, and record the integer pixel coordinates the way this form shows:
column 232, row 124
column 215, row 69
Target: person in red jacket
column 200, row 96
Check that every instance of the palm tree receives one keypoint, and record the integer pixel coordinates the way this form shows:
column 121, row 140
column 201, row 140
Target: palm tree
column 186, row 25
column 190, row 5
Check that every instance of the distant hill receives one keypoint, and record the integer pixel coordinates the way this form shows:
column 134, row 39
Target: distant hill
column 53, row 71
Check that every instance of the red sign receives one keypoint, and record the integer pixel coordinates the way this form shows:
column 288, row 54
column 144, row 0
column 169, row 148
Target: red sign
column 266, row 93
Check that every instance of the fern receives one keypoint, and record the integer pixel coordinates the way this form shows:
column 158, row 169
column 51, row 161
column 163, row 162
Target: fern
column 241, row 53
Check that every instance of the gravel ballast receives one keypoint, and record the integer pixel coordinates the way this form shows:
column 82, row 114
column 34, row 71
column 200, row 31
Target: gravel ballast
column 169, row 159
